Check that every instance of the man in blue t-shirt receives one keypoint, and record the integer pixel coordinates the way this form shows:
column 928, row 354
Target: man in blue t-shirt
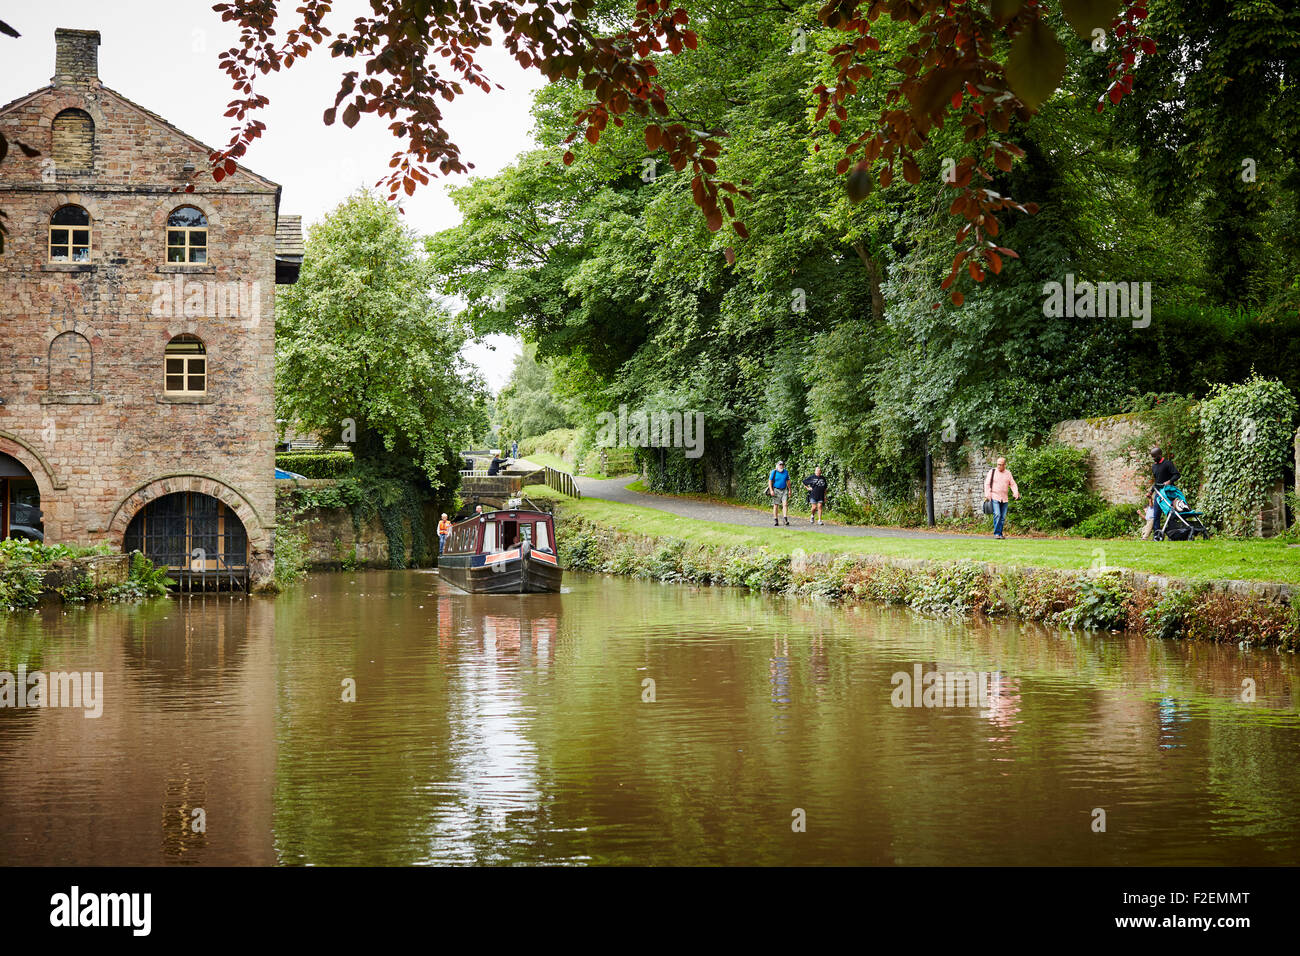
column 778, row 487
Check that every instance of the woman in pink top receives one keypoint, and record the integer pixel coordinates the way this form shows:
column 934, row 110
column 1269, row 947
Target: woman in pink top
column 996, row 486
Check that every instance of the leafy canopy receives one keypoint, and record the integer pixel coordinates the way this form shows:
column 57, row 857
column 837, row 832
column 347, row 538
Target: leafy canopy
column 364, row 351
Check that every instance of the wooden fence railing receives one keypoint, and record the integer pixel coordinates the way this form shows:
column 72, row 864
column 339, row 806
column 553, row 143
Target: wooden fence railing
column 562, row 482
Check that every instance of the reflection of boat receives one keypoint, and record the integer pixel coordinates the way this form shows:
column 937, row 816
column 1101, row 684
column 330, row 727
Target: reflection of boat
column 503, row 552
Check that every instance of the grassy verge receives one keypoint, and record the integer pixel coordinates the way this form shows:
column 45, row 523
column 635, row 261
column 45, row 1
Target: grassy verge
column 1112, row 600
column 1216, row 559
column 551, row 461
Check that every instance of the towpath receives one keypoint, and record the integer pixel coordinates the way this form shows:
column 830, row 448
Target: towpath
column 615, row 489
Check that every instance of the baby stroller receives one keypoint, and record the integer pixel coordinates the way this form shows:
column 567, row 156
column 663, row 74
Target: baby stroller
column 1175, row 519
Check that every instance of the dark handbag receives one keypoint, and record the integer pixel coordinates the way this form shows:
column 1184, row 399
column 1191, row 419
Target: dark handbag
column 988, row 502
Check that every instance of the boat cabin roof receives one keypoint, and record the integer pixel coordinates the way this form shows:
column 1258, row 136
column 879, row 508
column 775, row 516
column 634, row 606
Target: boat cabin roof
column 514, row 514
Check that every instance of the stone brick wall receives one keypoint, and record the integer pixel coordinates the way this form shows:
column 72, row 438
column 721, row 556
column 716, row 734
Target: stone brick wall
column 1119, row 480
column 333, row 541
column 81, row 344
column 332, row 537
column 960, row 491
column 101, row 569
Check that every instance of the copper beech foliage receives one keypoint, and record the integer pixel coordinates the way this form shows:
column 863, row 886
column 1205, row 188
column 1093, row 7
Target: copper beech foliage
column 418, row 54
column 421, row 53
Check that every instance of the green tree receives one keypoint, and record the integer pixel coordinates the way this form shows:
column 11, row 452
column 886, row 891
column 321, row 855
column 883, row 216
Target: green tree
column 822, row 342
column 365, row 354
column 1215, row 120
column 528, row 404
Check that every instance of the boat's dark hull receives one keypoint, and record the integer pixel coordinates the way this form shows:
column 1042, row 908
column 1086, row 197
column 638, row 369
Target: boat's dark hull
column 510, row 573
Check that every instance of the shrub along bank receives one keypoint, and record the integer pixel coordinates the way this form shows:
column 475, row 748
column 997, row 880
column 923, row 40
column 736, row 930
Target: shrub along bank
column 1257, row 615
column 31, row 572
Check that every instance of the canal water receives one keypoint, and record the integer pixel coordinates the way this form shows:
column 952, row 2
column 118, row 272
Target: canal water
column 631, row 722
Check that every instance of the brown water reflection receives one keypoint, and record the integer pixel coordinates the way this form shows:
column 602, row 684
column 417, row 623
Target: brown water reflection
column 514, row 729
column 189, row 705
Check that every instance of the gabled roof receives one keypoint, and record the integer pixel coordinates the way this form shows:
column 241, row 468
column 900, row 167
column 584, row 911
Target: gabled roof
column 26, row 96
column 166, row 124
column 180, row 132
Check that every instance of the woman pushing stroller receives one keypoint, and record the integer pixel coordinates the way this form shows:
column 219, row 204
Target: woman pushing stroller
column 1173, row 517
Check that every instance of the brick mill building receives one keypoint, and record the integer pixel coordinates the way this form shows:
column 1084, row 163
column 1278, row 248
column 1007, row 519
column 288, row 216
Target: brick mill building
column 137, row 332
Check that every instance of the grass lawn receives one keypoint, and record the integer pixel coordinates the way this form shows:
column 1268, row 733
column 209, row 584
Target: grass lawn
column 552, row 461
column 559, row 464
column 1218, row 559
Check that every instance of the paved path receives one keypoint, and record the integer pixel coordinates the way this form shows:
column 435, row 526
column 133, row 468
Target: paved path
column 615, row 489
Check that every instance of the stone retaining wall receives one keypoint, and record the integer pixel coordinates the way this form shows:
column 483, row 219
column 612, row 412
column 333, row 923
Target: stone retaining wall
column 102, row 569
column 333, row 540
column 959, row 492
column 1119, row 479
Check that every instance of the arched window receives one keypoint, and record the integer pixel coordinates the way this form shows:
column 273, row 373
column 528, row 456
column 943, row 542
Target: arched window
column 73, row 134
column 198, row 538
column 72, row 364
column 187, row 235
column 187, row 366
column 70, row 235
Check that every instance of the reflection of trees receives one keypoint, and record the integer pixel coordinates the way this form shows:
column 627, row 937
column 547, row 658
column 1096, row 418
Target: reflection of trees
column 432, row 761
column 506, row 729
column 22, row 638
column 1253, row 785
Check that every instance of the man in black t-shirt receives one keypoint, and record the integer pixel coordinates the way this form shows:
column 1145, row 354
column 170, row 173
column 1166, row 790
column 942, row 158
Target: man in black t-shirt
column 1163, row 471
column 816, row 486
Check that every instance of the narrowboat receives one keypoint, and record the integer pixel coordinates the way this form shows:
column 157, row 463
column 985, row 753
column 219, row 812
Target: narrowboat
column 503, row 552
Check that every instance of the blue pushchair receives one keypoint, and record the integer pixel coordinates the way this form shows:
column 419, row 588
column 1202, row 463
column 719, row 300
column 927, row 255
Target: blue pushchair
column 1176, row 520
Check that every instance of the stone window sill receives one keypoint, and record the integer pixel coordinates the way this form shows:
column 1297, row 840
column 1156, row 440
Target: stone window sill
column 188, row 269
column 68, row 267
column 175, row 398
column 72, row 398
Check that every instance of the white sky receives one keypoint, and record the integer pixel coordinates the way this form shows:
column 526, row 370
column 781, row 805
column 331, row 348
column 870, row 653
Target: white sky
column 163, row 55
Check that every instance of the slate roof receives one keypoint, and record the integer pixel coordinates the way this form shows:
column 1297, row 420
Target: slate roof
column 288, row 238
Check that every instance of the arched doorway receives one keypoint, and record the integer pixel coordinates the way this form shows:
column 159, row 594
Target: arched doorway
column 198, row 538
column 20, row 502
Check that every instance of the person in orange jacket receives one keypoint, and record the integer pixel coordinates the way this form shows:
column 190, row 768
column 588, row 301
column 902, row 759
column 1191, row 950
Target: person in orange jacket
column 444, row 532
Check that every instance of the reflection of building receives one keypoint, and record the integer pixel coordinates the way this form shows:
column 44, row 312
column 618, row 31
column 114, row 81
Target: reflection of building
column 136, row 330
column 188, row 723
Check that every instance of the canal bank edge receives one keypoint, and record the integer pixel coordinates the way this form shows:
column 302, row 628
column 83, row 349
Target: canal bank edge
column 1255, row 613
